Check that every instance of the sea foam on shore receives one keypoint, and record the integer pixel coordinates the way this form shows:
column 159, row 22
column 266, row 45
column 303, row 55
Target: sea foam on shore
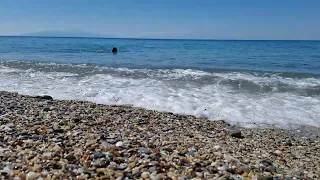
column 241, row 98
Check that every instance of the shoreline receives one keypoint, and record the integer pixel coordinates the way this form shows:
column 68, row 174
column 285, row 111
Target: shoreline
column 84, row 140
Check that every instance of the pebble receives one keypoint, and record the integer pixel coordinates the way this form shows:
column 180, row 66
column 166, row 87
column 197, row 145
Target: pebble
column 217, row 147
column 32, row 176
column 6, row 170
column 145, row 175
column 222, row 168
column 98, row 155
column 120, row 144
column 144, row 150
column 47, row 154
column 155, row 176
column 271, row 169
column 278, row 152
column 262, row 177
column 236, row 134
column 199, row 174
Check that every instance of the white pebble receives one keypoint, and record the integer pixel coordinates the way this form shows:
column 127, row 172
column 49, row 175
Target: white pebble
column 237, row 177
column 155, row 176
column 120, row 144
column 217, row 147
column 145, row 175
column 78, row 171
column 222, row 168
column 214, row 164
column 28, row 141
column 199, row 174
column 227, row 158
column 6, row 170
column 32, row 176
column 47, row 154
column 278, row 152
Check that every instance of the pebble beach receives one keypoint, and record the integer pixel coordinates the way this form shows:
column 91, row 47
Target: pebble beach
column 44, row 138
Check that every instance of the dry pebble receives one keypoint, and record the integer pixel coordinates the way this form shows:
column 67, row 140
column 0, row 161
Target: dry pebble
column 42, row 138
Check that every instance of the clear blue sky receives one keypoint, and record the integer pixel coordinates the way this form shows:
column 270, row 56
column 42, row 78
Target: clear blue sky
column 209, row 19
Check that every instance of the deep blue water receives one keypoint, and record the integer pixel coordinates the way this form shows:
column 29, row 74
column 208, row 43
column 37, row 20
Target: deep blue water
column 243, row 82
column 208, row 55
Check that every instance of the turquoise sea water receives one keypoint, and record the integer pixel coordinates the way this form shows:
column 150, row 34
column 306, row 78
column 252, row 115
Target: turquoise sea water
column 244, row 82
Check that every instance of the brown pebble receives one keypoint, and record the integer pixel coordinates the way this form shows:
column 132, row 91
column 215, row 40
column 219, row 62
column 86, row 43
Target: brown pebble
column 15, row 172
column 101, row 170
column 118, row 174
column 240, row 171
column 144, row 170
column 22, row 176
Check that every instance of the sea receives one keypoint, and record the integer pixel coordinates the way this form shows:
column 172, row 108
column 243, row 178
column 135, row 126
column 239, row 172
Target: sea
column 246, row 83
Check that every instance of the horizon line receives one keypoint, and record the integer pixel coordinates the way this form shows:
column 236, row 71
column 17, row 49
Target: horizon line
column 142, row 38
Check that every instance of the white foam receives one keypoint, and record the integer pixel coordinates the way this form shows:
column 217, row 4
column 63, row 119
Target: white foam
column 214, row 101
column 298, row 83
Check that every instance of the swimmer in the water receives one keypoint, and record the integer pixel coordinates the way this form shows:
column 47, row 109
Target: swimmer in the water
column 114, row 50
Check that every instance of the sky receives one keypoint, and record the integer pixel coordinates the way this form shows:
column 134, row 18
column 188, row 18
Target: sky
column 190, row 19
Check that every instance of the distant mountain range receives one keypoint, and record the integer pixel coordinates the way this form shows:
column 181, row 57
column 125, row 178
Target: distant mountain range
column 67, row 33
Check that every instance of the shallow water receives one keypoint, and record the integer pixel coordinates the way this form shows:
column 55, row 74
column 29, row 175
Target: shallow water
column 244, row 82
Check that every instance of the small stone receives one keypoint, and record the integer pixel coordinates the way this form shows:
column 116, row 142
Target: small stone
column 145, row 175
column 222, row 168
column 156, row 176
column 240, row 171
column 123, row 166
column 47, row 154
column 271, row 169
column 227, row 158
column 144, row 150
column 214, row 164
column 237, row 177
column 120, row 144
column 32, row 176
column 28, row 141
column 236, row 134
column 6, row 170
column 45, row 97
column 118, row 174
column 261, row 177
column 56, row 148
column 81, row 177
column 22, row 176
column 78, row 171
column 132, row 164
column 199, row 174
column 245, row 175
column 112, row 165
column 278, row 152
column 217, row 147
column 98, row 155
column 15, row 172
column 136, row 171
column 70, row 157
column 101, row 170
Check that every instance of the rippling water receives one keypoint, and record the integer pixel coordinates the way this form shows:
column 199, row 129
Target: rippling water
column 245, row 82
